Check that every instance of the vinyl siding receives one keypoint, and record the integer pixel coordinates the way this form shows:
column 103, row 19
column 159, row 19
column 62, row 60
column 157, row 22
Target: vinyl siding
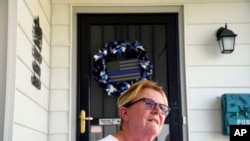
column 31, row 108
column 49, row 114
column 61, row 77
column 210, row 74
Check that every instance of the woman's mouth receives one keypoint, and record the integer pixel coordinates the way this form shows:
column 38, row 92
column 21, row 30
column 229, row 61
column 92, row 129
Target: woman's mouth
column 153, row 121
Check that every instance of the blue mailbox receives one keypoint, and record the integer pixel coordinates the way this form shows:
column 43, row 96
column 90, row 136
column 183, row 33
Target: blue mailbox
column 235, row 110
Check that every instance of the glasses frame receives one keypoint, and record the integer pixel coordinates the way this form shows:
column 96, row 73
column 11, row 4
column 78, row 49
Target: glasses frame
column 163, row 112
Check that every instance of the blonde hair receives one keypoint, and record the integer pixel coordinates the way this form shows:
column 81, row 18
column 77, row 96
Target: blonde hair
column 131, row 94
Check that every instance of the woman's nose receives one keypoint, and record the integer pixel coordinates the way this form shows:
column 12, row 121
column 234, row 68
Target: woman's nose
column 156, row 110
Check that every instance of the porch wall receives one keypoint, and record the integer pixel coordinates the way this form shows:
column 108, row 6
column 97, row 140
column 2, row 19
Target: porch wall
column 208, row 74
column 48, row 114
column 31, row 105
column 60, row 96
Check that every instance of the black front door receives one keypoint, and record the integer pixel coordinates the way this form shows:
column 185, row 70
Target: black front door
column 158, row 34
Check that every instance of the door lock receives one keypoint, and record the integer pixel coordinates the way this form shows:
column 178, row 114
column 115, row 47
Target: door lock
column 83, row 118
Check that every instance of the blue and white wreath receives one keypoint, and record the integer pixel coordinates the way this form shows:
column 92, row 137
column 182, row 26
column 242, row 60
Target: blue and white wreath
column 109, row 52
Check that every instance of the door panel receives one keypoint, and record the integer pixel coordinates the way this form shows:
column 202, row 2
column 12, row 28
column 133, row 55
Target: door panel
column 158, row 35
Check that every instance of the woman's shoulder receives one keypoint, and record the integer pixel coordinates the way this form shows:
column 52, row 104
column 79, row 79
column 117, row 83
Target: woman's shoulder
column 108, row 138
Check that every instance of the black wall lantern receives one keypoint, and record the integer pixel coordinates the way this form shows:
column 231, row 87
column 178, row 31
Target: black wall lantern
column 226, row 39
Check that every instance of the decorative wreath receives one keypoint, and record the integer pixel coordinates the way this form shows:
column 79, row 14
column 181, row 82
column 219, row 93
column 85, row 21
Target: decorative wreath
column 109, row 52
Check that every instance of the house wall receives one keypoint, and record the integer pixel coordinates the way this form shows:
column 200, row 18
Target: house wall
column 207, row 73
column 202, row 55
column 49, row 114
column 31, row 105
column 60, row 113
column 210, row 74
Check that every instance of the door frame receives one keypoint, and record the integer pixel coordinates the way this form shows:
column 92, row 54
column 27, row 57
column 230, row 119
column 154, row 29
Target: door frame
column 122, row 9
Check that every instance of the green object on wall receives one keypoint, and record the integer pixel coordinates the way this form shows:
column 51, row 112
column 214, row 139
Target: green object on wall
column 235, row 109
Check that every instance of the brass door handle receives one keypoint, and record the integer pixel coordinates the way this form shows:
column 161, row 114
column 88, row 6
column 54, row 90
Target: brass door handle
column 83, row 118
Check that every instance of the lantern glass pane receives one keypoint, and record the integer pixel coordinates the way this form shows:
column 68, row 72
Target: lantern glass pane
column 228, row 43
column 221, row 45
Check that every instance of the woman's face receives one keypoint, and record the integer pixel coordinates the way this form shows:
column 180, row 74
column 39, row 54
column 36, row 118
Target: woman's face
column 144, row 120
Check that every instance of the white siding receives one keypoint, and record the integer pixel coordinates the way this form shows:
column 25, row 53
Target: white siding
column 30, row 115
column 22, row 133
column 47, row 114
column 24, row 86
column 31, row 108
column 60, row 116
column 209, row 74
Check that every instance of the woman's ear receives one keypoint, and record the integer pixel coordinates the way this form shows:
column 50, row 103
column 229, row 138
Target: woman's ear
column 124, row 114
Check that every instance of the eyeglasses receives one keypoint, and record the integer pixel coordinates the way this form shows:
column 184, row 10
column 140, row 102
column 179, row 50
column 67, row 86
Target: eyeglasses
column 151, row 104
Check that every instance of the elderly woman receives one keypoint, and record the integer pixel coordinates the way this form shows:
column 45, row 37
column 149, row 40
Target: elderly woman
column 143, row 109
